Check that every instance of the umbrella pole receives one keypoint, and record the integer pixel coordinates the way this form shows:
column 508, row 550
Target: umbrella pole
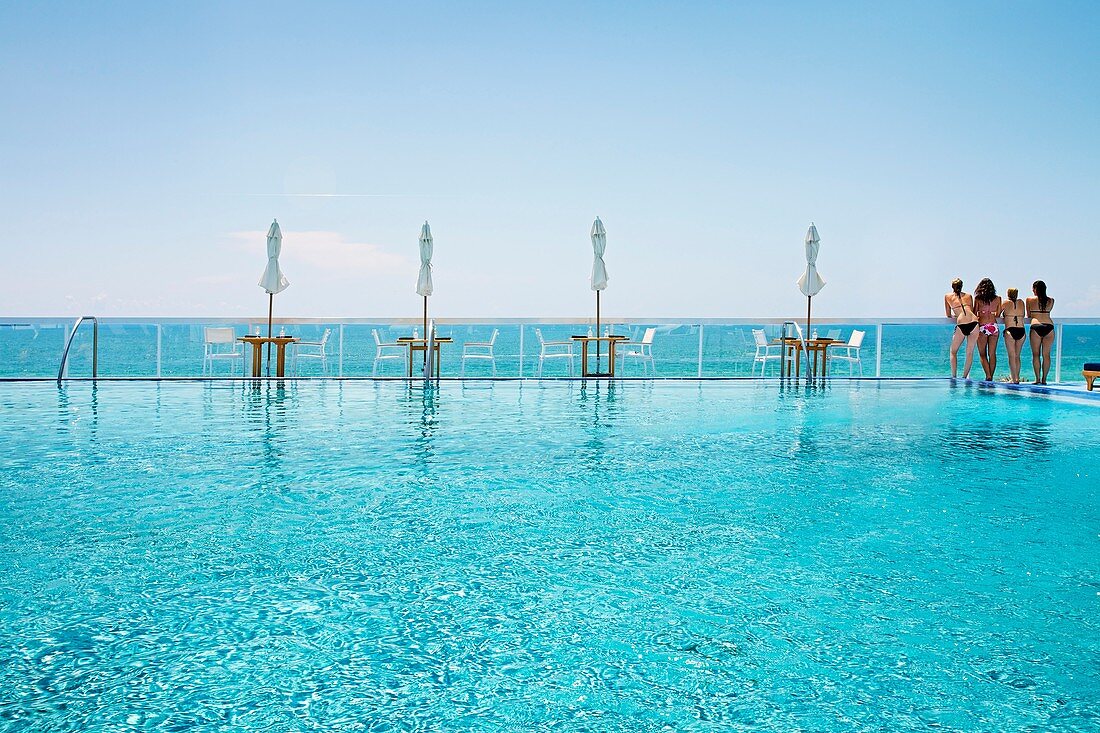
column 809, row 300
column 597, row 331
column 270, row 302
column 425, row 329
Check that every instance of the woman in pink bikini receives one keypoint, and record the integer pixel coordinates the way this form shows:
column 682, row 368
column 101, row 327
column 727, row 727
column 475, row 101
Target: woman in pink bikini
column 1012, row 310
column 987, row 304
column 959, row 307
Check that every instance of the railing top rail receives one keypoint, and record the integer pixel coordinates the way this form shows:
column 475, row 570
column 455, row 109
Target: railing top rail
column 25, row 322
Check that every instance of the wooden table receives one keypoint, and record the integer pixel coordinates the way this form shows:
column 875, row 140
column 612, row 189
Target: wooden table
column 257, row 351
column 611, row 341
column 419, row 344
column 792, row 349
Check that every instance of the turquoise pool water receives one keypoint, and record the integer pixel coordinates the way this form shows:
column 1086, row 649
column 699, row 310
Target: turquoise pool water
column 634, row 557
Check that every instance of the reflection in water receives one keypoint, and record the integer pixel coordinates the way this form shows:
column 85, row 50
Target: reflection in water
column 268, row 409
column 984, row 439
column 423, row 402
column 70, row 413
column 598, row 412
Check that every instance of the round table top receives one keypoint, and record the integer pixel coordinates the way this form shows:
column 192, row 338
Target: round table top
column 264, row 339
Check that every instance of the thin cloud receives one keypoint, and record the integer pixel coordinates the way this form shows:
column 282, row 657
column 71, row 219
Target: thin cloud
column 326, row 250
column 345, row 195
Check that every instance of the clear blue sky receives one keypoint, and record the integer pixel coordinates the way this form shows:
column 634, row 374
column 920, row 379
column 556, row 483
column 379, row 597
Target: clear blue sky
column 145, row 147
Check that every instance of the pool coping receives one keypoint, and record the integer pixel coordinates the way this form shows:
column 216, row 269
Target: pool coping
column 1059, row 389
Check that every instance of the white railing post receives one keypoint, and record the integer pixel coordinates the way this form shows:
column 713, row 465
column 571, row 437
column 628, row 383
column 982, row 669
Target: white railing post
column 878, row 351
column 1058, row 353
column 521, row 349
column 700, row 371
column 340, row 353
column 158, row 349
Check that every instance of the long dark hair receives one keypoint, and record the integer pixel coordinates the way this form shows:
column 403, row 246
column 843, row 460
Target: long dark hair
column 1040, row 289
column 985, row 292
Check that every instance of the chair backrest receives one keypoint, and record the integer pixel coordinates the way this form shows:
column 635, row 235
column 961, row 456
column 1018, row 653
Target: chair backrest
column 324, row 338
column 649, row 334
column 833, row 334
column 542, row 341
column 493, row 338
column 759, row 337
column 219, row 335
column 377, row 340
column 856, row 339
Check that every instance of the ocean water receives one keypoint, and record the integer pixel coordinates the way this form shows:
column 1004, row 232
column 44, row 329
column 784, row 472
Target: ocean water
column 339, row 556
column 29, row 349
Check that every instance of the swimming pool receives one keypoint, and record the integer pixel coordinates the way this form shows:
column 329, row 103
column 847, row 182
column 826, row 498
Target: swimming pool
column 557, row 556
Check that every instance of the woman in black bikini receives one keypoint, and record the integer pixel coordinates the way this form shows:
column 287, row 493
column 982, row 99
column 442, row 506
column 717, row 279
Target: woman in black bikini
column 1042, row 330
column 987, row 304
column 1012, row 310
column 960, row 307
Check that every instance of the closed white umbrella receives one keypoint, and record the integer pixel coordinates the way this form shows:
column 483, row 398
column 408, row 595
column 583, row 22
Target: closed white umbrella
column 811, row 283
column 599, row 273
column 424, row 281
column 273, row 280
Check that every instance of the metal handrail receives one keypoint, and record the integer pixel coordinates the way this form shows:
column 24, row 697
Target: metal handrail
column 69, row 343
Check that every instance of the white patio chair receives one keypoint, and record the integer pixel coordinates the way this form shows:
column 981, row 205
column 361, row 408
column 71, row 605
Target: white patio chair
column 765, row 351
column 642, row 351
column 220, row 344
column 387, row 351
column 313, row 350
column 480, row 350
column 850, row 353
column 554, row 350
column 833, row 334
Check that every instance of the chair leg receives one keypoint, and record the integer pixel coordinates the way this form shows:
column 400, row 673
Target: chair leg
column 540, row 365
column 374, row 372
column 493, row 364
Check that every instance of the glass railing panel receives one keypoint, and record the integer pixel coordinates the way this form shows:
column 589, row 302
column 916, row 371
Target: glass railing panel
column 1080, row 344
column 916, row 350
column 30, row 348
column 175, row 348
column 553, row 334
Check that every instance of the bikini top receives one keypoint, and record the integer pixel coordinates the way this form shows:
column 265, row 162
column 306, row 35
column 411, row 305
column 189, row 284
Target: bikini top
column 962, row 306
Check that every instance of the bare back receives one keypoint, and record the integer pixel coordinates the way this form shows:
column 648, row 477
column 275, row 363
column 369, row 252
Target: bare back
column 1013, row 312
column 1039, row 314
column 960, row 307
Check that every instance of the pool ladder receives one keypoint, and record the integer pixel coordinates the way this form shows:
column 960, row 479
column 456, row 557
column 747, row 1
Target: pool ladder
column 69, row 343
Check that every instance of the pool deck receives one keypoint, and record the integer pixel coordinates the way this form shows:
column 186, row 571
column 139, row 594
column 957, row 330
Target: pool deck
column 1072, row 390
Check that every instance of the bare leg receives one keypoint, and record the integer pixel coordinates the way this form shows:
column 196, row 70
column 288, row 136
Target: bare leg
column 991, row 346
column 1014, row 346
column 956, row 341
column 1036, row 347
column 1019, row 359
column 983, row 356
column 971, row 341
column 1048, row 342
